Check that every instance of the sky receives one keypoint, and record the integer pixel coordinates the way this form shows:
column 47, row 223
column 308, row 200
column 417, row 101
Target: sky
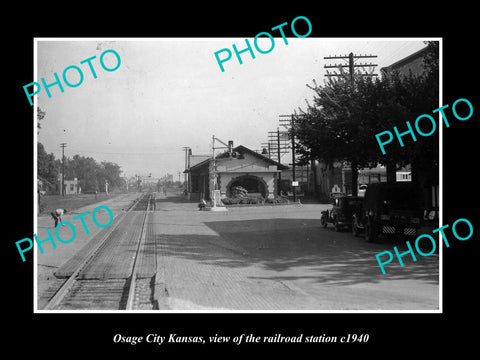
column 169, row 93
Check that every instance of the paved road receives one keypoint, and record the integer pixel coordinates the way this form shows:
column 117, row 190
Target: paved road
column 278, row 258
column 259, row 258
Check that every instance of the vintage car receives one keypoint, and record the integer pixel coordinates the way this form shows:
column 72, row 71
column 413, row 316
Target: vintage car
column 389, row 209
column 344, row 207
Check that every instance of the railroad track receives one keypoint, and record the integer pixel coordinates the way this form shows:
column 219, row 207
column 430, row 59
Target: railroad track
column 116, row 273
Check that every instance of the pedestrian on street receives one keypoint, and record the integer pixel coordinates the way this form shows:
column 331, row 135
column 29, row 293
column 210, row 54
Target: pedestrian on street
column 202, row 204
column 57, row 215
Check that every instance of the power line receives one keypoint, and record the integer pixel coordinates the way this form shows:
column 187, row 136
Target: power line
column 126, row 153
column 351, row 65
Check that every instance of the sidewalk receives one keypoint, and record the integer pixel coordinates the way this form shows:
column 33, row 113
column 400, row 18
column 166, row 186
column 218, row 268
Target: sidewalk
column 197, row 269
column 276, row 258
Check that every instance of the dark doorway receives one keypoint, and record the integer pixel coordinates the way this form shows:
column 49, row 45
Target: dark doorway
column 253, row 184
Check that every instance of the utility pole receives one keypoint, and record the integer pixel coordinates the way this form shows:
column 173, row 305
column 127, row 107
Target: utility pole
column 62, row 145
column 285, row 119
column 279, row 156
column 351, row 73
column 351, row 65
column 185, row 178
column 277, row 141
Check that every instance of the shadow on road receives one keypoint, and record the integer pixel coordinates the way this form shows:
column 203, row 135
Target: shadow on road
column 297, row 249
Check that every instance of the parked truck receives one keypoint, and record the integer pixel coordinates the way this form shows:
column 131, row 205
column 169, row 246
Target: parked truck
column 390, row 209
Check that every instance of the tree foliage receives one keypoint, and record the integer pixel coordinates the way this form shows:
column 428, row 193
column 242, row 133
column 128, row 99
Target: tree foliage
column 40, row 115
column 91, row 174
column 47, row 168
column 345, row 116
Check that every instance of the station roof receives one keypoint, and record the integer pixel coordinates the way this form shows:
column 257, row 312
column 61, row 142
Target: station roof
column 241, row 150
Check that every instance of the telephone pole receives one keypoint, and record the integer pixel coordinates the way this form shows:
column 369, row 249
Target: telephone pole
column 277, row 141
column 351, row 73
column 62, row 145
column 351, row 65
column 288, row 122
column 188, row 151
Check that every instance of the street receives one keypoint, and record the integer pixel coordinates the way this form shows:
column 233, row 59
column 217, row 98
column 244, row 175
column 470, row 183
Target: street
column 259, row 258
column 278, row 258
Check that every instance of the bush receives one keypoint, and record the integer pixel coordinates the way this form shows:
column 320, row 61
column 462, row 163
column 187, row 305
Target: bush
column 244, row 200
column 256, row 200
column 238, row 192
column 282, row 200
column 230, row 201
column 278, row 200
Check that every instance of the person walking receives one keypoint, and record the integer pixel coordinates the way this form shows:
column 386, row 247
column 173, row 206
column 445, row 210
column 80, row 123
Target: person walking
column 57, row 215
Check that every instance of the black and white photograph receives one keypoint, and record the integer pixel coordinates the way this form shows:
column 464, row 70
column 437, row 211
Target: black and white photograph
column 237, row 181
column 258, row 188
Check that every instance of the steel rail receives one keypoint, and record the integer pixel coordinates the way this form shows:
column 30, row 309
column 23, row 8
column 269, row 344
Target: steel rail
column 66, row 286
column 133, row 277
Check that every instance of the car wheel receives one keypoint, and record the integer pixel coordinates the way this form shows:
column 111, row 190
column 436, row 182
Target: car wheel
column 369, row 232
column 323, row 221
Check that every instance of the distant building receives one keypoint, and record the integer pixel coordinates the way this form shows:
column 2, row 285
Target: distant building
column 150, row 181
column 246, row 168
column 404, row 176
column 302, row 175
column 71, row 186
column 410, row 64
column 196, row 159
column 338, row 176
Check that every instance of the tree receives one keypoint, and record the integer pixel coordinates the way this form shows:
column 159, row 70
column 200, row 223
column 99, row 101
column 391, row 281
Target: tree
column 112, row 173
column 424, row 154
column 40, row 115
column 47, row 168
column 339, row 126
column 92, row 175
column 85, row 170
column 417, row 95
column 389, row 111
column 345, row 117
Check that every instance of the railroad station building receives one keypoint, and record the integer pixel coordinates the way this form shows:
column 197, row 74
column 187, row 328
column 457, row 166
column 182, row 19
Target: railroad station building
column 238, row 167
